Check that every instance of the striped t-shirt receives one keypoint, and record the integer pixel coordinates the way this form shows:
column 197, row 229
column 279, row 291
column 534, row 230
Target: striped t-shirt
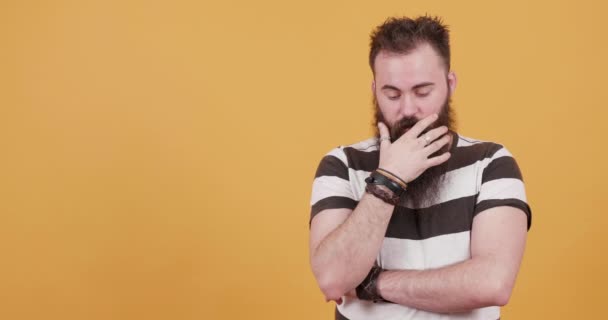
column 480, row 175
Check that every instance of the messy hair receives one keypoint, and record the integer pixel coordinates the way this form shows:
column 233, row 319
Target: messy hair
column 401, row 35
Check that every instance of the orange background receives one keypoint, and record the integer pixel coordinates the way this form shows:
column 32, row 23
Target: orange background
column 157, row 158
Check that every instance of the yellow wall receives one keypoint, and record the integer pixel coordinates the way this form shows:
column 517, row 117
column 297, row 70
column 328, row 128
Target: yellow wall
column 157, row 158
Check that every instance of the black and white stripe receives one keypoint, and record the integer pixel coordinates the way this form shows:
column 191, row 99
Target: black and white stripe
column 481, row 175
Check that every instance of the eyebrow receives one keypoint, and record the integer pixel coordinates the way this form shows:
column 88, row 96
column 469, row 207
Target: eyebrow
column 418, row 86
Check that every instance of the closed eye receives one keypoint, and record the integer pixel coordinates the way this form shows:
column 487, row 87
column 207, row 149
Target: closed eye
column 424, row 89
column 391, row 92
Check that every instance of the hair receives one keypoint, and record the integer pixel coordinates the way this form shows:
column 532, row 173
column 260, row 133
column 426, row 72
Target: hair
column 401, row 35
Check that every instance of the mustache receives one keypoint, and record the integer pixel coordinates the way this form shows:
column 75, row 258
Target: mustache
column 401, row 126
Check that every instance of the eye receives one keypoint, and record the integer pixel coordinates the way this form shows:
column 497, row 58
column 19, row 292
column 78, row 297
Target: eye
column 394, row 97
column 423, row 94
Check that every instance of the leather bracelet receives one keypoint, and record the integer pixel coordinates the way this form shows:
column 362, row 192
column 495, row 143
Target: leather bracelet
column 368, row 289
column 380, row 179
column 393, row 177
column 384, row 195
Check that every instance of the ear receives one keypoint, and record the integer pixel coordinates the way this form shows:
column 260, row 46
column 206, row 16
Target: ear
column 373, row 86
column 452, row 80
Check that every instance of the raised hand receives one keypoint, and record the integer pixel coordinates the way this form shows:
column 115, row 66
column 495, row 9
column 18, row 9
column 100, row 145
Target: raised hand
column 408, row 156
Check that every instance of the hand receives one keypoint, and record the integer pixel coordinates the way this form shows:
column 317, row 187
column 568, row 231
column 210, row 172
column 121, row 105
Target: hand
column 408, row 156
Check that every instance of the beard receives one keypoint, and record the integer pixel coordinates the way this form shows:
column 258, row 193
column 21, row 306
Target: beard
column 425, row 188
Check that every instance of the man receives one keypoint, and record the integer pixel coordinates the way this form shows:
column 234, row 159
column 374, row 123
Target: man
column 417, row 222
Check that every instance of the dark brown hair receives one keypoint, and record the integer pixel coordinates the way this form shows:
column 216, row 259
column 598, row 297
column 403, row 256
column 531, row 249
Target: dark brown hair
column 401, row 35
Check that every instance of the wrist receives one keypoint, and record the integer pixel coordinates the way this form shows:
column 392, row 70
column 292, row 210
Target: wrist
column 400, row 175
column 380, row 283
column 368, row 289
column 392, row 176
column 382, row 193
column 385, row 186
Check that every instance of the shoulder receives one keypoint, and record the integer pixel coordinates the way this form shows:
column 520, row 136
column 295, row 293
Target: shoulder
column 500, row 179
column 354, row 154
column 480, row 149
column 363, row 155
column 338, row 180
column 496, row 163
column 367, row 145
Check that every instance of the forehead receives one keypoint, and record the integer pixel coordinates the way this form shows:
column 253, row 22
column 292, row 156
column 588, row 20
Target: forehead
column 422, row 64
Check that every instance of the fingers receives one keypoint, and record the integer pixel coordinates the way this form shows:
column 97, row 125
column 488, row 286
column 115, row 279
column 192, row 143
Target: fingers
column 437, row 145
column 435, row 161
column 435, row 133
column 417, row 129
column 426, row 139
column 384, row 135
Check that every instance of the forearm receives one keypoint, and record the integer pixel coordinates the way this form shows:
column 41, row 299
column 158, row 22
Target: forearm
column 461, row 287
column 343, row 259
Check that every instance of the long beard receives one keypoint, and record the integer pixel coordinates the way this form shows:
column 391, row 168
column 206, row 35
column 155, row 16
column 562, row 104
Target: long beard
column 424, row 189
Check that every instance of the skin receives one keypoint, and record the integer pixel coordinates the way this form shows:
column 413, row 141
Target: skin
column 344, row 243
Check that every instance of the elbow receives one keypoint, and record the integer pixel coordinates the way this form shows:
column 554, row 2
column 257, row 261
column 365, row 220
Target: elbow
column 498, row 293
column 331, row 287
column 332, row 294
column 502, row 296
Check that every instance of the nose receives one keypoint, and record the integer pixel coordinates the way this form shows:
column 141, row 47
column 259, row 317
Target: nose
column 407, row 108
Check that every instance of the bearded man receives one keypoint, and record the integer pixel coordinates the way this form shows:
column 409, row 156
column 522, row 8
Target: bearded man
column 417, row 222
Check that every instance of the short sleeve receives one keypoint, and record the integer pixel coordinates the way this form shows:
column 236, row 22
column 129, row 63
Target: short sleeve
column 502, row 185
column 331, row 187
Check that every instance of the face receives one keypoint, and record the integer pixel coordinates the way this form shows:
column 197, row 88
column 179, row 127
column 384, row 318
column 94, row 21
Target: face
column 409, row 87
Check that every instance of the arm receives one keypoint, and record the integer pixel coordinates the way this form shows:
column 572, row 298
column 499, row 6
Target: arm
column 344, row 243
column 498, row 239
